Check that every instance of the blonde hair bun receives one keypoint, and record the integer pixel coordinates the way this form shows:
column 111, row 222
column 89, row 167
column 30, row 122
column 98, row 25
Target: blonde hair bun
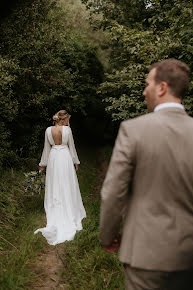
column 60, row 115
column 55, row 118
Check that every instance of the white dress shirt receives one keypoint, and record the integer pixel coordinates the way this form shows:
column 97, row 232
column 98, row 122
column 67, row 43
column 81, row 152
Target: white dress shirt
column 168, row 105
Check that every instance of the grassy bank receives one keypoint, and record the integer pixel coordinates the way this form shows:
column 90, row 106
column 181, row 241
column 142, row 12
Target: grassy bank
column 20, row 215
column 86, row 265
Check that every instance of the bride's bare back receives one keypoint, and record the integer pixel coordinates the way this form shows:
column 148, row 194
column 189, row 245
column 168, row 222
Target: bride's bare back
column 57, row 135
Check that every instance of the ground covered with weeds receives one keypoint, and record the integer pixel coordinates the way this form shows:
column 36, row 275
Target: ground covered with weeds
column 19, row 214
column 28, row 262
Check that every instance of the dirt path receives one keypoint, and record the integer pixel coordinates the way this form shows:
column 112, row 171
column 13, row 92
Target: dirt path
column 48, row 267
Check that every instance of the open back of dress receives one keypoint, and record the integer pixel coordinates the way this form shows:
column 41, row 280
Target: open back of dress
column 57, row 135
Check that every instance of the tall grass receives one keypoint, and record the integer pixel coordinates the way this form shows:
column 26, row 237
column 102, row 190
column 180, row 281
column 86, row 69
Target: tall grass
column 20, row 215
column 86, row 265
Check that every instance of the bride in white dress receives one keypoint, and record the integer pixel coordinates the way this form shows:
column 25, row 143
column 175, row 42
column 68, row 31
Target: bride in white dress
column 63, row 204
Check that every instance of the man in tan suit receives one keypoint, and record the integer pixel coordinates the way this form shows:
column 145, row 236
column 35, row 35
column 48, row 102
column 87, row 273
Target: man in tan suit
column 149, row 184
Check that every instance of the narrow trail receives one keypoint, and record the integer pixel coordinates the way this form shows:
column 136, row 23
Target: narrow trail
column 48, row 267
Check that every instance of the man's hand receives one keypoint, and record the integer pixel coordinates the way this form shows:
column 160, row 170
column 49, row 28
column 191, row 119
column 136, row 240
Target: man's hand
column 114, row 246
column 111, row 249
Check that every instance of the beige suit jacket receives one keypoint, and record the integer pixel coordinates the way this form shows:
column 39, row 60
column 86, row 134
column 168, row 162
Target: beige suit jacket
column 150, row 182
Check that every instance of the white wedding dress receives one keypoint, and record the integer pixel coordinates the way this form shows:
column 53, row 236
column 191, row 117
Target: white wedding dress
column 62, row 203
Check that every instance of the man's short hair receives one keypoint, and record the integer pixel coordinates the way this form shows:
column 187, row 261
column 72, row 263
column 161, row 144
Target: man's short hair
column 175, row 73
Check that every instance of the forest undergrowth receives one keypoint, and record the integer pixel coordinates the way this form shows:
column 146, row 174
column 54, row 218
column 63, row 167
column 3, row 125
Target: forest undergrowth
column 28, row 262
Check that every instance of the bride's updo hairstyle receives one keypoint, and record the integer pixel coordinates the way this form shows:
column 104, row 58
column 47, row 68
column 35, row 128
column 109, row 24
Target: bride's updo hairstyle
column 59, row 116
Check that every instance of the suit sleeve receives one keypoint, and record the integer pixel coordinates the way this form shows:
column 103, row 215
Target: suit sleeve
column 114, row 191
column 46, row 152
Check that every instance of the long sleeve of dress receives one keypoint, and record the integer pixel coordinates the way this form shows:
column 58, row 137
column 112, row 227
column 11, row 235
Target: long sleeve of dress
column 73, row 149
column 46, row 152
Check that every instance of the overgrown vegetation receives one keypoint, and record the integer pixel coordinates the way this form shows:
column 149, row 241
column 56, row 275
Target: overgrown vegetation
column 141, row 33
column 46, row 65
column 19, row 215
column 86, row 265
column 51, row 58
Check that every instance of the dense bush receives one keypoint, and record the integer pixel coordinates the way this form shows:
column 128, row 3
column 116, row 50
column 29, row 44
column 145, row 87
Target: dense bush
column 8, row 104
column 45, row 66
column 141, row 33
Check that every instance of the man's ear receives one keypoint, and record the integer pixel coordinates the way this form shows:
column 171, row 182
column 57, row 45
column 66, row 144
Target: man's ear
column 163, row 89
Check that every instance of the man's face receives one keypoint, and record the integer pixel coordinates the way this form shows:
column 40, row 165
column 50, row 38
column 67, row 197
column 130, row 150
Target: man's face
column 151, row 91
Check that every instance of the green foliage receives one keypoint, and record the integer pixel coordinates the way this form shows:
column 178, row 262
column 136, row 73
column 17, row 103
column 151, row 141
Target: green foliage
column 8, row 103
column 125, row 12
column 20, row 214
column 86, row 265
column 142, row 33
column 46, row 66
column 11, row 203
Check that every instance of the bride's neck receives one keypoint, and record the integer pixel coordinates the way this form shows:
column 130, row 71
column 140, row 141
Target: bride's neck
column 61, row 124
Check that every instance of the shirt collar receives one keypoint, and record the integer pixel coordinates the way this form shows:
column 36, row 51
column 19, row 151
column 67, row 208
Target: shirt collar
column 168, row 105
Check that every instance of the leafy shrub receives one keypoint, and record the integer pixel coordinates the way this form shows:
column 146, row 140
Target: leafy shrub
column 141, row 33
column 45, row 66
